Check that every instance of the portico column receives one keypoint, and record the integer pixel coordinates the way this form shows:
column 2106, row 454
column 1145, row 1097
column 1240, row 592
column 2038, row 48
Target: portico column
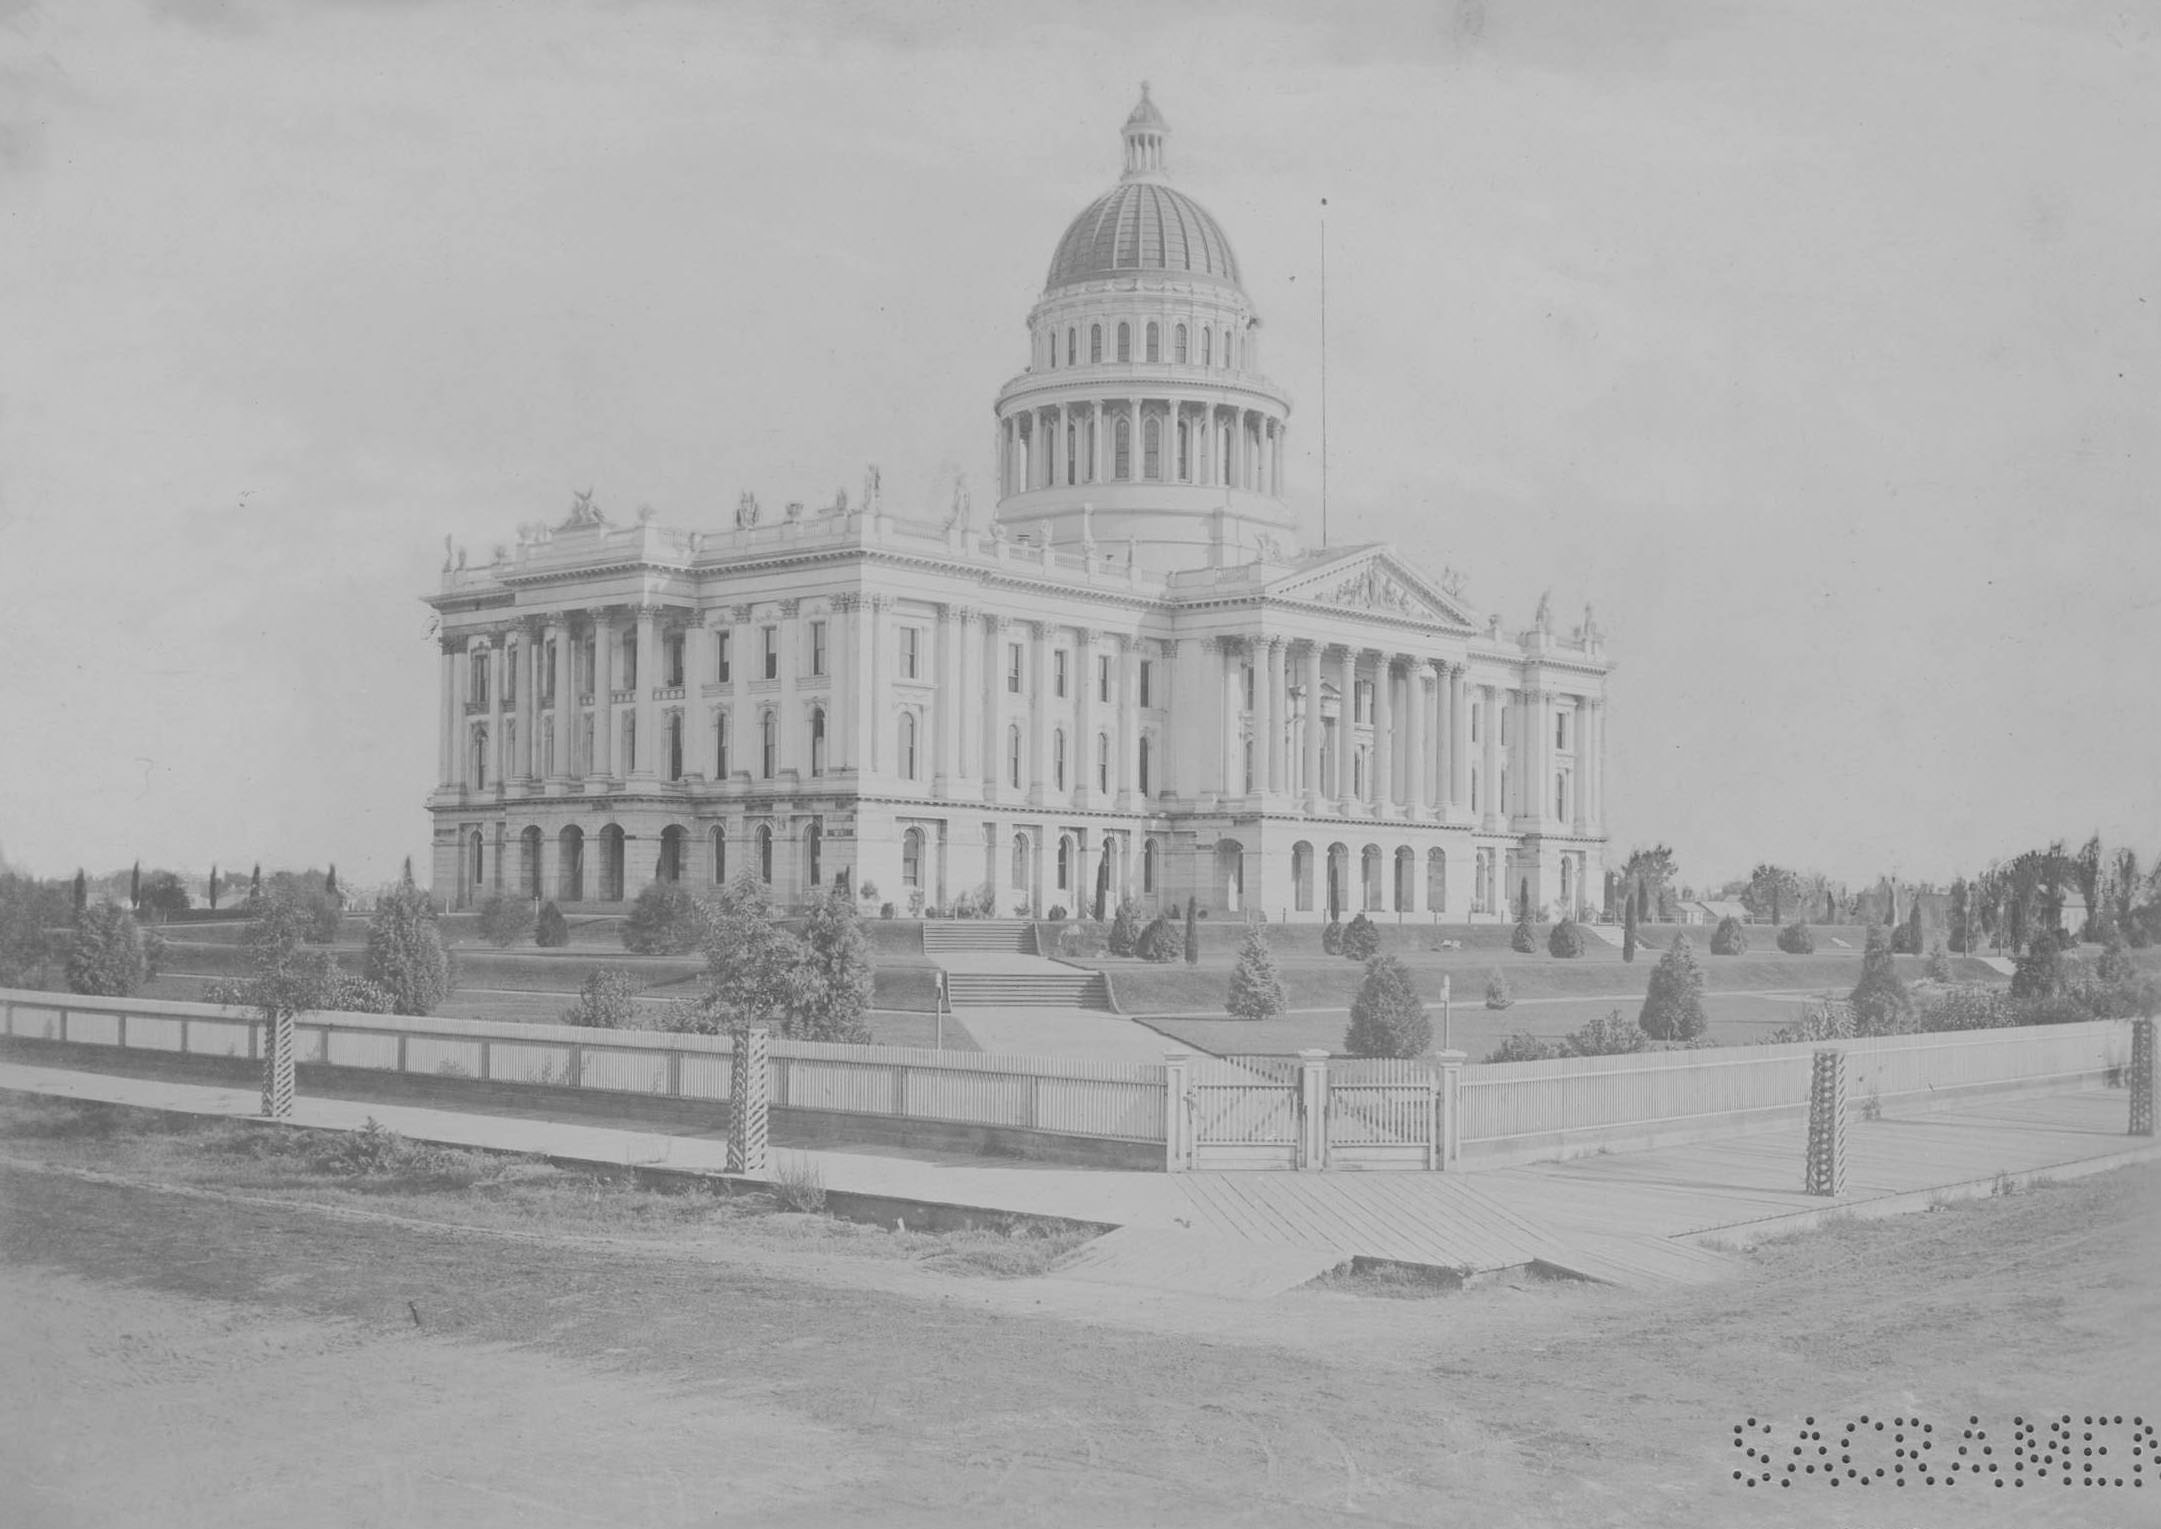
column 968, row 730
column 1129, row 721
column 1598, row 767
column 1414, row 682
column 1234, row 781
column 566, row 697
column 993, row 693
column 447, row 720
column 600, row 765
column 1580, row 732
column 527, row 713
column 1084, row 751
column 1309, row 737
column 875, row 709
column 1384, row 735
column 1133, row 440
column 1489, row 795
column 1459, row 740
column 498, row 757
column 1268, row 715
column 644, row 759
column 1037, row 712
column 1346, row 714
column 840, row 708
column 947, row 701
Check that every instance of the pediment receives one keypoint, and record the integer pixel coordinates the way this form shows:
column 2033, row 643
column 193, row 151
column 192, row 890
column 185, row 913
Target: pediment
column 1373, row 580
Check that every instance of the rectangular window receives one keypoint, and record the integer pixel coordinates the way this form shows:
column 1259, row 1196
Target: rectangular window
column 817, row 648
column 1249, row 766
column 720, row 750
column 1147, row 678
column 1249, row 687
column 1012, row 668
column 1103, row 677
column 675, row 660
column 547, row 675
column 1057, row 673
column 1103, row 763
column 1474, row 724
column 772, row 652
column 1560, row 729
column 720, row 656
column 1012, row 762
column 513, row 659
column 911, row 653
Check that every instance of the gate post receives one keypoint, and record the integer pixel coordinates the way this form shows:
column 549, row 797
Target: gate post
column 1312, row 1109
column 1827, row 1124
column 1177, row 1115
column 2142, row 1079
column 748, row 1093
column 1448, row 1107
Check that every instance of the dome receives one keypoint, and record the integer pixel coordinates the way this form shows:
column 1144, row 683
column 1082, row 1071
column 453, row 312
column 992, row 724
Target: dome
column 1143, row 226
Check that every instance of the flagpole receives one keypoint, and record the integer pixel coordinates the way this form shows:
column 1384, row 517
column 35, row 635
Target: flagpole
column 1324, row 371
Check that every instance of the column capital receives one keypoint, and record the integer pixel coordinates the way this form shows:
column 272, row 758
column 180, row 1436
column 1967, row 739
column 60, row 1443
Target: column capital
column 1084, row 636
column 847, row 601
column 693, row 617
column 966, row 615
column 994, row 622
column 1126, row 642
column 790, row 607
column 1231, row 644
column 1034, row 628
column 878, row 602
column 740, row 614
column 648, row 612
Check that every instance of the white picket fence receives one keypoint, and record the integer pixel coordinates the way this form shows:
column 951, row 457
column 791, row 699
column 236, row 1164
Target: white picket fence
column 1071, row 1096
column 1521, row 1111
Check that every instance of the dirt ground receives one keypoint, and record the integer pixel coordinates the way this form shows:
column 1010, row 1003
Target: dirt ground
column 175, row 1358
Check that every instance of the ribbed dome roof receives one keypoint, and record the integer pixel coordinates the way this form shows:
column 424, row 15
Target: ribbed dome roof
column 1142, row 225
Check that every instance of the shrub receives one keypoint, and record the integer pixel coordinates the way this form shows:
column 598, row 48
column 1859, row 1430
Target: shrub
column 325, row 915
column 1332, row 938
column 1881, row 1004
column 1729, row 938
column 1125, row 930
column 1082, row 939
column 1628, row 930
column 1387, row 1017
column 1939, row 964
column 406, row 957
column 1797, row 939
column 885, row 910
column 507, row 921
column 831, row 988
column 799, row 1184
column 665, row 920
column 1057, row 914
column 2115, row 964
column 1256, row 986
column 1523, row 1048
column 1161, row 941
column 1614, row 1035
column 1361, row 941
column 1968, row 1006
column 1498, row 995
column 607, row 1000
column 1525, row 939
column 1824, row 1022
column 551, row 930
column 1565, row 940
column 1673, row 1008
column 107, row 956
column 1193, row 933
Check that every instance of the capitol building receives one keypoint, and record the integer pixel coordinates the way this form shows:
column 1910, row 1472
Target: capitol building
column 1139, row 676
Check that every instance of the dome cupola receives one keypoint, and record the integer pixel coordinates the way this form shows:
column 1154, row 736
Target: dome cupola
column 1143, row 223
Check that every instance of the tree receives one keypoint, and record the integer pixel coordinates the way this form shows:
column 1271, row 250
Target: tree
column 1729, row 939
column 1881, row 1005
column 107, row 956
column 135, row 888
column 1361, row 940
column 1498, row 993
column 664, row 920
column 82, row 891
column 830, row 998
column 1387, row 1017
column 1125, row 930
column 213, row 887
column 406, row 956
column 1673, row 1007
column 506, row 921
column 2124, row 890
column 1961, row 916
column 1797, row 939
column 551, row 930
column 607, row 1000
column 31, row 952
column 283, row 979
column 330, row 883
column 1771, row 890
column 1525, row 939
column 750, row 962
column 1649, row 871
column 2086, row 874
column 1332, row 938
column 1161, row 941
column 163, row 894
column 2039, row 974
column 1565, row 940
column 1628, row 930
column 255, row 880
column 1256, row 985
column 1193, row 933
column 1614, row 1035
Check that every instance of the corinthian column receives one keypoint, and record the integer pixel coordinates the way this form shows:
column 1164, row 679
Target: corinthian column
column 1414, row 684
column 602, row 764
column 1384, row 735
column 1268, row 713
column 1310, row 732
column 1346, row 731
column 644, row 758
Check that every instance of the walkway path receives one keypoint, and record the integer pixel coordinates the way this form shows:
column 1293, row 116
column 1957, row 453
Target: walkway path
column 1035, row 1031
column 1640, row 1218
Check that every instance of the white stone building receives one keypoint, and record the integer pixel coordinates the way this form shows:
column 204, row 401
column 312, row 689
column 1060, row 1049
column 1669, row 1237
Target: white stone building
column 1131, row 679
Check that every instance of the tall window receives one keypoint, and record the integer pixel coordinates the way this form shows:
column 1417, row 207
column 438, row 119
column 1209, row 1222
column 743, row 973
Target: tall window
column 1103, row 676
column 1057, row 673
column 1208, row 347
column 513, row 657
column 1125, row 342
column 720, row 746
column 772, row 652
column 1071, row 346
column 1152, row 449
column 1147, row 675
column 817, row 740
column 1560, row 729
column 1560, row 796
column 1474, row 788
column 1178, row 344
column 1185, row 453
column 675, row 745
column 1144, row 751
column 630, row 743
column 1475, row 708
column 1095, row 342
column 1065, row 862
column 1249, row 765
column 547, row 674
column 674, row 663
column 1012, row 756
column 907, row 745
column 720, row 656
column 817, row 648
column 1057, row 760
column 480, row 756
column 814, row 854
column 631, row 655
column 911, row 858
column 1103, row 762
column 720, row 854
column 765, row 853
column 768, row 744
column 1246, row 675
column 911, row 652
column 1122, row 449
column 1148, row 866
column 1012, row 668
column 478, row 687
column 1020, row 862
column 1155, row 342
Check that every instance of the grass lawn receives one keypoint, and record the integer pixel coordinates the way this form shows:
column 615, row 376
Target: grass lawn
column 545, row 1349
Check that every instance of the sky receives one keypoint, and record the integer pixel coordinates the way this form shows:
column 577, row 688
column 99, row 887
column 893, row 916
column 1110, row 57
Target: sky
column 1817, row 344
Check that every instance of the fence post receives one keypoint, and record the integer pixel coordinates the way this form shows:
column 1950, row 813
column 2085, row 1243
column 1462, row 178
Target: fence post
column 1448, row 1108
column 2142, row 1077
column 1313, row 1110
column 277, row 1066
column 1827, row 1124
column 574, row 1069
column 1177, row 1124
column 120, row 1021
column 749, row 1092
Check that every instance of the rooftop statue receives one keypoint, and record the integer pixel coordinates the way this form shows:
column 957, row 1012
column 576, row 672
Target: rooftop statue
column 583, row 512
column 1543, row 621
column 746, row 510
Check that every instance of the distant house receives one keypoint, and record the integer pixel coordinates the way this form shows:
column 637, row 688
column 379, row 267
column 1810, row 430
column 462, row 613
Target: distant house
column 1712, row 912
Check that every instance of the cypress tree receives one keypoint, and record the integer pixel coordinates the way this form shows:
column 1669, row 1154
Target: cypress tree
column 82, row 891
column 1628, row 929
column 1387, row 1017
column 1193, row 933
column 255, row 882
column 213, row 887
column 330, row 882
column 1881, row 1004
column 135, row 887
column 1256, row 985
column 1673, row 1008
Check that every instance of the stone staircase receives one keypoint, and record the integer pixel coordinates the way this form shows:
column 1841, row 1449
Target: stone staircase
column 1006, row 936
column 1056, row 987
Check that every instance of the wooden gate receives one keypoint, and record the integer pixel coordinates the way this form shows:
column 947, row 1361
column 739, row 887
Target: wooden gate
column 1246, row 1112
column 1381, row 1113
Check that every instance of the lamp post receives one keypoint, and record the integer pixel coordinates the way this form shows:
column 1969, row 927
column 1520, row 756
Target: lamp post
column 1444, row 1011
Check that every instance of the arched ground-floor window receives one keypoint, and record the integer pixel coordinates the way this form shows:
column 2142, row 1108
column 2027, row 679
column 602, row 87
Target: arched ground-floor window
column 765, row 853
column 670, row 867
column 1302, row 876
column 1369, row 878
column 814, row 850
column 1339, row 879
column 720, row 853
column 911, row 859
column 570, row 864
column 529, row 862
column 1406, row 892
column 611, row 864
column 1231, row 874
column 1436, row 881
column 1020, row 862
